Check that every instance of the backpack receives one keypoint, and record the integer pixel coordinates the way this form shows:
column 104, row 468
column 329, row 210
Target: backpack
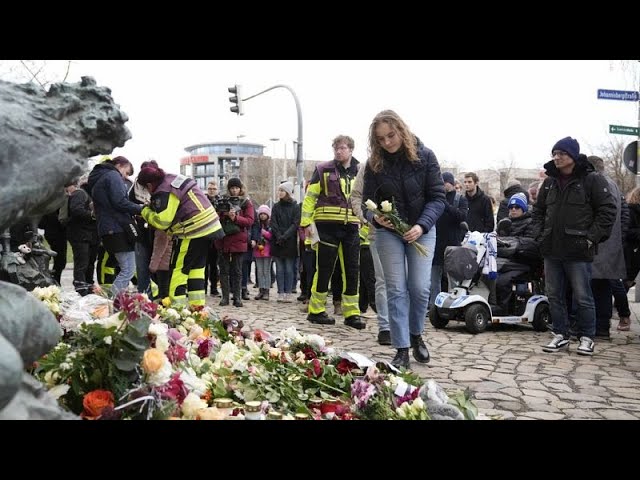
column 63, row 213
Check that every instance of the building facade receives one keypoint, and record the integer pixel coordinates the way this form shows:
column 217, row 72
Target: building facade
column 220, row 161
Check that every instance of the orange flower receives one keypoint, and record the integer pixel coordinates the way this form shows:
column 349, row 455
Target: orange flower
column 96, row 401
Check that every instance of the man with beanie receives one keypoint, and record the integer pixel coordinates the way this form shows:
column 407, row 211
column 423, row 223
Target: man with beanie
column 526, row 256
column 448, row 231
column 574, row 212
column 328, row 204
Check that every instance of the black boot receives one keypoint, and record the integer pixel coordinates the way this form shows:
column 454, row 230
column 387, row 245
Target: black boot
column 237, row 302
column 420, row 352
column 354, row 321
column 260, row 295
column 401, row 360
column 321, row 318
column 224, row 301
column 265, row 294
column 245, row 294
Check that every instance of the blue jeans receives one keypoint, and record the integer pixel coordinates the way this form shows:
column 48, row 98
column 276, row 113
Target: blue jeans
column 127, row 263
column 143, row 257
column 408, row 277
column 381, row 288
column 558, row 274
column 284, row 273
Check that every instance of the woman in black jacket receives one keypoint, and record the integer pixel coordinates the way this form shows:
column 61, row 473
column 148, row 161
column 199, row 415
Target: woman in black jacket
column 402, row 170
column 285, row 218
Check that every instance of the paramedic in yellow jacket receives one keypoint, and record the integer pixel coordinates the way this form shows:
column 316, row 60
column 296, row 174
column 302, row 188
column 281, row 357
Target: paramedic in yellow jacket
column 327, row 204
column 182, row 210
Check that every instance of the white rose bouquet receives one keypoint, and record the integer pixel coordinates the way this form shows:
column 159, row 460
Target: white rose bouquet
column 388, row 211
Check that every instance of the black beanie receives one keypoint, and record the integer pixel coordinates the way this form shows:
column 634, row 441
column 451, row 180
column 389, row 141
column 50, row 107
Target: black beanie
column 234, row 182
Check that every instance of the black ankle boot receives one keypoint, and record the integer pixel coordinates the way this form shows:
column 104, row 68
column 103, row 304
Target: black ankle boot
column 245, row 294
column 420, row 352
column 224, row 301
column 401, row 360
column 237, row 302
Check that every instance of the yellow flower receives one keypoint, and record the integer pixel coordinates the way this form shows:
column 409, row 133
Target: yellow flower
column 166, row 301
column 153, row 360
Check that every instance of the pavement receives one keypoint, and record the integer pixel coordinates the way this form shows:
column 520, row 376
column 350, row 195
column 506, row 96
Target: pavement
column 509, row 375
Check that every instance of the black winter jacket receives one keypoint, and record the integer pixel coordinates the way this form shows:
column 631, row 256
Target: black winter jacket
column 480, row 216
column 568, row 219
column 416, row 188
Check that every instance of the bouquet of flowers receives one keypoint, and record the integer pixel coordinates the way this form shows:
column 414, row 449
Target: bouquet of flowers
column 389, row 211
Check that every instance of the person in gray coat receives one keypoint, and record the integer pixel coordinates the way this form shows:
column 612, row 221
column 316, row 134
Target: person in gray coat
column 608, row 263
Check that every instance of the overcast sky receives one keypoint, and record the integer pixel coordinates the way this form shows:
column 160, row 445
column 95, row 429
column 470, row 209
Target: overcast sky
column 472, row 114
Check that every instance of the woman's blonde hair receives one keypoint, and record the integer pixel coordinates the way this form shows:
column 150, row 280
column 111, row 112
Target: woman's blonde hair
column 394, row 121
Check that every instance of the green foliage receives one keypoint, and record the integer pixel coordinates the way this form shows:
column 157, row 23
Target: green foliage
column 462, row 400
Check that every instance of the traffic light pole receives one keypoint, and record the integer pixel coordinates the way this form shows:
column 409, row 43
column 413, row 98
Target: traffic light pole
column 299, row 157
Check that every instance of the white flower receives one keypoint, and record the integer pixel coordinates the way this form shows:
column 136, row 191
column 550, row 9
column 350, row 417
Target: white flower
column 192, row 403
column 162, row 376
column 315, row 341
column 386, row 206
column 51, row 377
column 227, row 352
column 158, row 329
column 371, row 205
column 59, row 390
column 193, row 382
column 182, row 330
column 162, row 343
column 195, row 332
column 108, row 340
column 194, row 360
column 172, row 314
column 112, row 321
column 65, row 366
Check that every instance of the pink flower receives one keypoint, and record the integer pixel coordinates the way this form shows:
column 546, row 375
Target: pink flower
column 176, row 353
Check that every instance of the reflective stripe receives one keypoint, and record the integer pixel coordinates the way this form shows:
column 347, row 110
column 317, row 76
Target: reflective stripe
column 317, row 301
column 201, row 225
column 350, row 305
column 195, row 200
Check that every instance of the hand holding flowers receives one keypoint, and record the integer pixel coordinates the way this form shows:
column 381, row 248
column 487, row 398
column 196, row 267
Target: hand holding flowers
column 388, row 217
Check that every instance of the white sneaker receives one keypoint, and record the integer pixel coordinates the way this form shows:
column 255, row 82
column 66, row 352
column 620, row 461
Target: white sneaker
column 281, row 298
column 586, row 346
column 557, row 343
column 287, row 298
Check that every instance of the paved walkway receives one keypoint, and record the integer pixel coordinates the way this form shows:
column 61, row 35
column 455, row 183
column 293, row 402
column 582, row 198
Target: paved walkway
column 505, row 368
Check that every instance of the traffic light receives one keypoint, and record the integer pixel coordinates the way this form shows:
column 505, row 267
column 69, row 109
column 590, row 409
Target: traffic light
column 238, row 107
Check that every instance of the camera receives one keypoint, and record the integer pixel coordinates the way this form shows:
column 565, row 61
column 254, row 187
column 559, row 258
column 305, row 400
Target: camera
column 226, row 203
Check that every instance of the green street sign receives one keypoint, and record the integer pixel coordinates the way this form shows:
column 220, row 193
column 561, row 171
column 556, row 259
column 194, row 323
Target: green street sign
column 621, row 130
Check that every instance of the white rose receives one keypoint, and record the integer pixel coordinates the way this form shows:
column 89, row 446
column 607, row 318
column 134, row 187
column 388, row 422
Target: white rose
column 192, row 403
column 162, row 343
column 386, row 206
column 108, row 340
column 371, row 205
column 158, row 329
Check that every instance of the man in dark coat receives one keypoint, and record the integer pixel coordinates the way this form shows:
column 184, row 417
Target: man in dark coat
column 480, row 217
column 575, row 211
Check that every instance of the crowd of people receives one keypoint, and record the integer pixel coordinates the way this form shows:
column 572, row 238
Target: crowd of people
column 174, row 240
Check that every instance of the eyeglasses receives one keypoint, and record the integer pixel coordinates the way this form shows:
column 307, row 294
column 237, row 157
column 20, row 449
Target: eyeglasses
column 559, row 153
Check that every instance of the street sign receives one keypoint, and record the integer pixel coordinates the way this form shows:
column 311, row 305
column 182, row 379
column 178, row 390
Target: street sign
column 630, row 157
column 618, row 95
column 621, row 130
